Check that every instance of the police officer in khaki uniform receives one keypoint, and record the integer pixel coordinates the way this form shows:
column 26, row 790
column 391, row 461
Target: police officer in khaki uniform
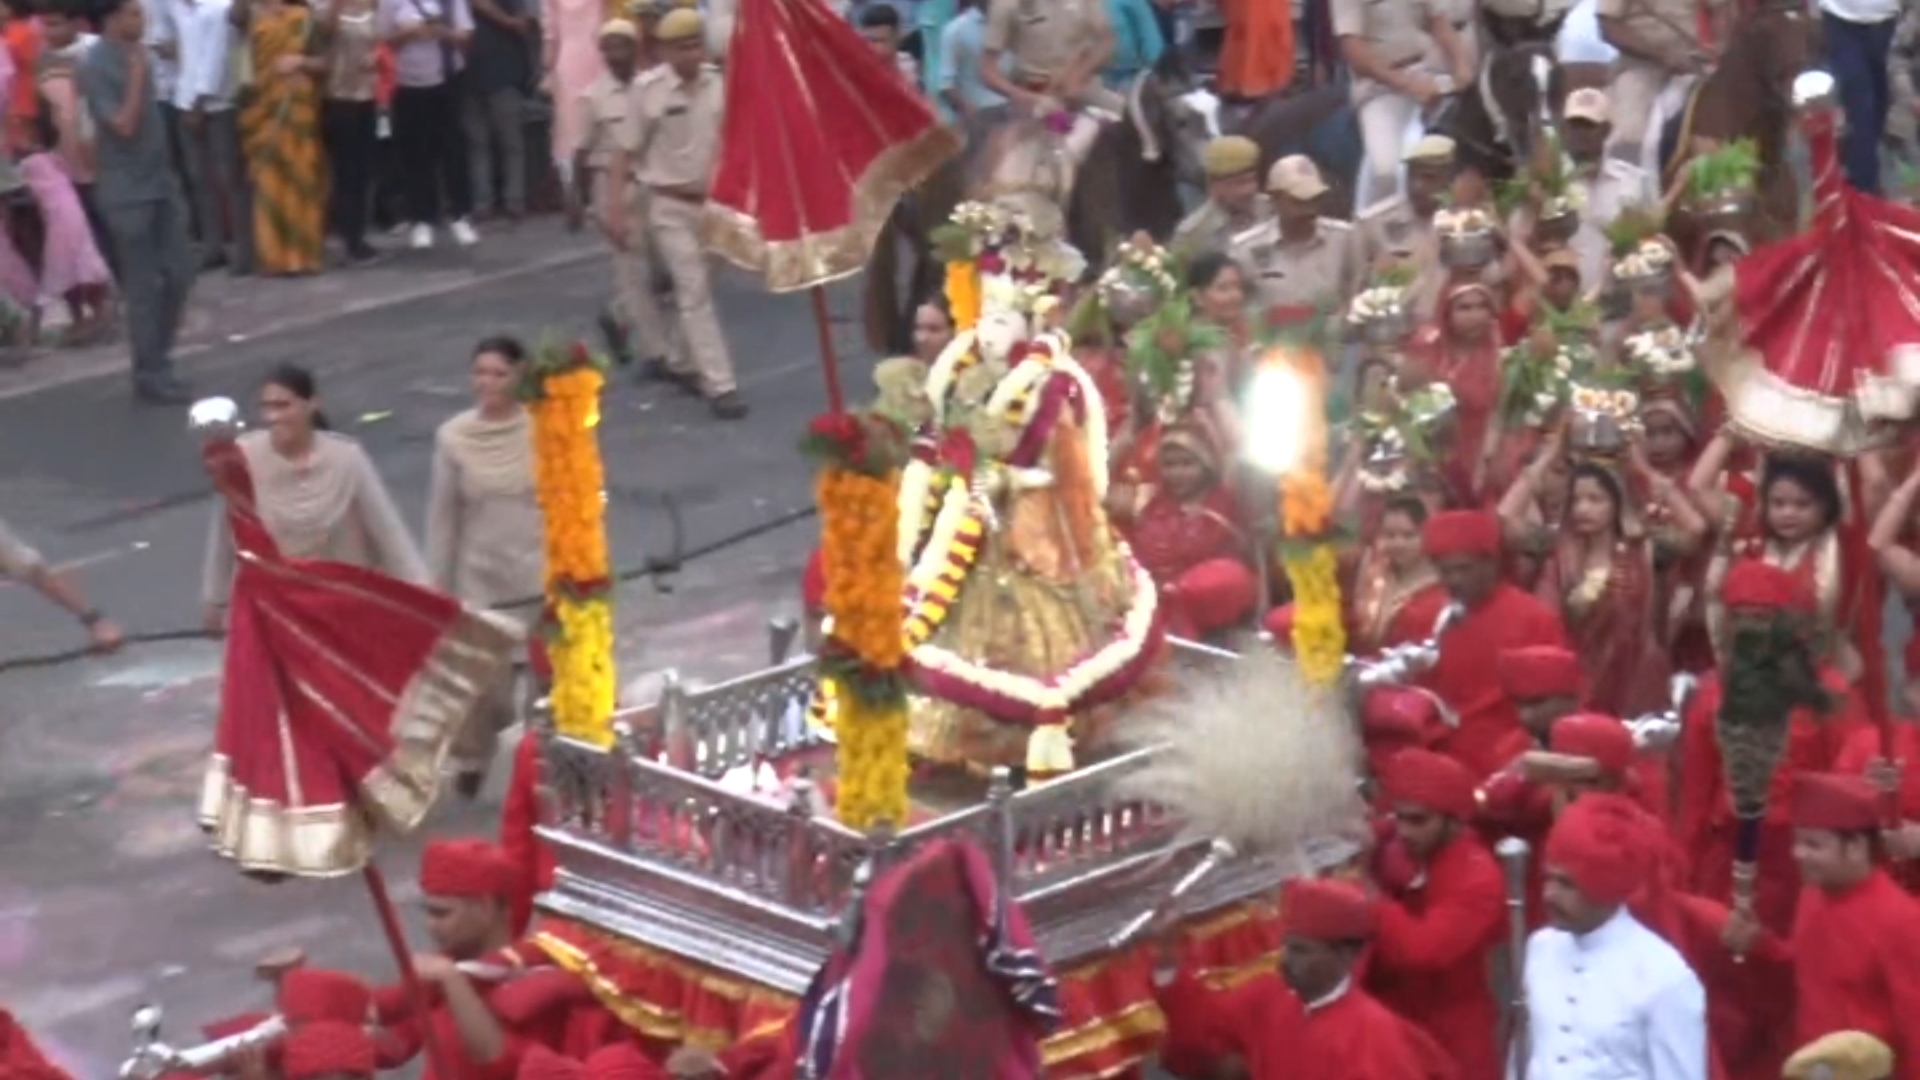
column 1233, row 201
column 1299, row 261
column 1609, row 184
column 610, row 119
column 1659, row 43
column 678, row 112
column 1404, row 54
column 1058, row 48
column 1400, row 228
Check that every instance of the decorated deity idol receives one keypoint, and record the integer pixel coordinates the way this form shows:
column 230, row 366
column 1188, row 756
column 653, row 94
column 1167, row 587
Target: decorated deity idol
column 1025, row 609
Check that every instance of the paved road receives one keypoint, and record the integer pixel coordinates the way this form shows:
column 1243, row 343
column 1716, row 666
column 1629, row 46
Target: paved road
column 108, row 898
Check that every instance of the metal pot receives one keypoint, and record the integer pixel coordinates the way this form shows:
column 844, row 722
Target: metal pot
column 1467, row 250
column 1660, row 281
column 1129, row 299
column 1557, row 228
column 1386, row 328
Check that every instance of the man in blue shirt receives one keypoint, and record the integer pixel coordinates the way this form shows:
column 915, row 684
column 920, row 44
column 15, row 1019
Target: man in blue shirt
column 1138, row 41
column 960, row 89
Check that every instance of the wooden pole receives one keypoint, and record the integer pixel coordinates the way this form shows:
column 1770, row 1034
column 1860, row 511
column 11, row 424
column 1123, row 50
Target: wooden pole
column 829, row 363
column 438, row 1057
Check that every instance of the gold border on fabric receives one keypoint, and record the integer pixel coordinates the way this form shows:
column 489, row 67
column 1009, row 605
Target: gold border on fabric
column 816, row 258
column 656, row 1021
column 271, row 836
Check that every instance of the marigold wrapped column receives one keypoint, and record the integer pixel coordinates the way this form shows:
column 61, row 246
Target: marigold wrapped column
column 1290, row 410
column 562, row 389
column 860, row 665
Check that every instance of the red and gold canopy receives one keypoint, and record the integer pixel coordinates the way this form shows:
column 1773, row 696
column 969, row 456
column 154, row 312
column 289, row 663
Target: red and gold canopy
column 822, row 136
column 1829, row 319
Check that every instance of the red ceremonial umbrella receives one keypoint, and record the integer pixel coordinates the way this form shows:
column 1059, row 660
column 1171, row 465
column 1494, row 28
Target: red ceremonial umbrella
column 1830, row 318
column 821, row 138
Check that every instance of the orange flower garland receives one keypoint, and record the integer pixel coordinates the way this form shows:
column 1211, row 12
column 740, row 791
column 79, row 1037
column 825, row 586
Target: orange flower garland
column 1306, row 512
column 963, row 293
column 862, row 692
column 563, row 390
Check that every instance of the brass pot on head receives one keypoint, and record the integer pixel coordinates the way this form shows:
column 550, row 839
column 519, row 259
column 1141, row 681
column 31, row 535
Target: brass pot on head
column 216, row 419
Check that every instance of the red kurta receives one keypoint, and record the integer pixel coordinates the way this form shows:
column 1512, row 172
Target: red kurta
column 1862, row 746
column 1432, row 944
column 547, row 1007
column 1703, row 819
column 1264, row 1023
column 1856, row 958
column 1467, row 676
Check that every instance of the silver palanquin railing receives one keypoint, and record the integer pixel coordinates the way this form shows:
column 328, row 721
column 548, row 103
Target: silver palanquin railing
column 652, row 847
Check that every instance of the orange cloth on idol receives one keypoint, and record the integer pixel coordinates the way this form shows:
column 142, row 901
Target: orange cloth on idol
column 1703, row 819
column 466, row 868
column 1599, row 843
column 1257, row 57
column 307, row 995
column 1467, row 676
column 1434, row 935
column 327, row 1048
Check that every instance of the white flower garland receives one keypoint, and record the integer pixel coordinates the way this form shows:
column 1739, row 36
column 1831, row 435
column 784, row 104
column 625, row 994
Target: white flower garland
column 955, row 507
column 946, row 368
column 1650, row 258
column 1662, row 351
column 1151, row 262
column 1064, row 691
column 1374, row 303
column 916, row 480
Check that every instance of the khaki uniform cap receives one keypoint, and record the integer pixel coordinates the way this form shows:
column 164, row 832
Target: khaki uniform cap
column 1296, row 176
column 1431, row 150
column 619, row 28
column 1230, row 155
column 679, row 24
column 1842, row 1055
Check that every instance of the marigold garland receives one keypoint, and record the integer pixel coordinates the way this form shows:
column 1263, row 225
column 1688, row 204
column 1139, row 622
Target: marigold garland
column 1306, row 514
column 862, row 691
column 562, row 387
column 963, row 293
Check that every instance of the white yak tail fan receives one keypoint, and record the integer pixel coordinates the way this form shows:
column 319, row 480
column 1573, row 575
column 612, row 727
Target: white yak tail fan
column 1253, row 754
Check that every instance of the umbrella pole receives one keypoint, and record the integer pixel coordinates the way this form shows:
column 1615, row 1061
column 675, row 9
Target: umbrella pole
column 829, row 363
column 437, row 1055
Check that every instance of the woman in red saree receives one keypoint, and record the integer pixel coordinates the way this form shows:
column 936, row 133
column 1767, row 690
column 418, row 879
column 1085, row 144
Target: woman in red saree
column 1462, row 349
column 1190, row 535
column 1393, row 595
column 1599, row 575
column 1667, row 448
column 343, row 689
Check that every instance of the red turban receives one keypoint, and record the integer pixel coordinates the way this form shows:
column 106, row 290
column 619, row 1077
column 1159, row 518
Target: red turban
column 1597, row 736
column 1399, row 716
column 622, row 1061
column 1326, row 909
column 470, row 869
column 1462, row 532
column 540, row 1063
column 1602, row 841
column 1435, row 781
column 307, row 995
column 326, row 1048
column 1755, row 583
column 1538, row 672
column 1835, row 801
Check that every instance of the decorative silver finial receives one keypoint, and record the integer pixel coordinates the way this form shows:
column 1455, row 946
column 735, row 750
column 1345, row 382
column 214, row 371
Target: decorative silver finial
column 215, row 418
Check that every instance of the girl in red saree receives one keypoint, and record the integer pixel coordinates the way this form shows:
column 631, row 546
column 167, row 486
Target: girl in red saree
column 1393, row 595
column 1462, row 349
column 1599, row 574
column 343, row 689
column 1190, row 535
column 1667, row 447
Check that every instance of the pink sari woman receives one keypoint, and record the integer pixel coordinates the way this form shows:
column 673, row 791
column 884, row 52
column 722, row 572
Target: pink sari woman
column 1462, row 349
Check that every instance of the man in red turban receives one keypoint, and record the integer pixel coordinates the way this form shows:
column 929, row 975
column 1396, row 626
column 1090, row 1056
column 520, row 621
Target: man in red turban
column 1396, row 718
column 1464, row 546
column 485, row 1024
column 1544, row 682
column 1310, row 1011
column 327, row 1050
column 1767, row 615
column 1856, row 940
column 1441, row 910
column 1600, row 985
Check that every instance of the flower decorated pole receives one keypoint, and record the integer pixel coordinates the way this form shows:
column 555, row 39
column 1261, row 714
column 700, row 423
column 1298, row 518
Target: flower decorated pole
column 1288, row 436
column 863, row 686
column 562, row 390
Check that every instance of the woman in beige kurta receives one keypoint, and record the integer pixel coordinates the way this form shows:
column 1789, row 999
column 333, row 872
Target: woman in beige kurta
column 318, row 495
column 483, row 525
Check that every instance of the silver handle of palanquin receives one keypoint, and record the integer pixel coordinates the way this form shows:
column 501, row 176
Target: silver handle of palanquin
column 1219, row 852
column 1401, row 664
column 1655, row 732
column 1513, row 853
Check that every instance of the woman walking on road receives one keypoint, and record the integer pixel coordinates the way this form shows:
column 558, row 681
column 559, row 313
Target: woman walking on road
column 280, row 134
column 483, row 533
column 317, row 494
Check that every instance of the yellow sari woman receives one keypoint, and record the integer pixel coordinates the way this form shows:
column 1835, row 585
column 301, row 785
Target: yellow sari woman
column 280, row 127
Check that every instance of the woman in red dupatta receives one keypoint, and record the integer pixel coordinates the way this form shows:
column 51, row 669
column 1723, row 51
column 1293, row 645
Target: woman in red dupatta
column 1462, row 349
column 343, row 689
column 1393, row 595
column 1599, row 574
column 1668, row 446
column 1191, row 536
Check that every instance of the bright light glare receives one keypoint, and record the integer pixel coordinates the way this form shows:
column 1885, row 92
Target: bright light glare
column 1274, row 401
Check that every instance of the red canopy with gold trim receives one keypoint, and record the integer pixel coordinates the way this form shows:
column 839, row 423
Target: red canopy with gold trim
column 1830, row 318
column 821, row 137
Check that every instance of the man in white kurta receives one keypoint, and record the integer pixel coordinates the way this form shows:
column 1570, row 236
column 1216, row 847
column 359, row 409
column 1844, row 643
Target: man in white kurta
column 1607, row 998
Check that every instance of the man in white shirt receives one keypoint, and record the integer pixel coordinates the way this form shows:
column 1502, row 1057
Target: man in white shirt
column 203, row 43
column 1607, row 998
column 1859, row 36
